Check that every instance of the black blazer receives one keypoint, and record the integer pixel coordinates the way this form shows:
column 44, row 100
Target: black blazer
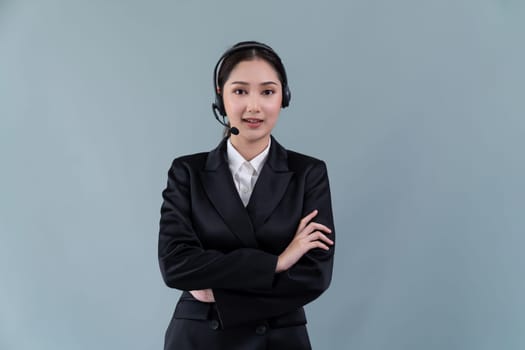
column 208, row 239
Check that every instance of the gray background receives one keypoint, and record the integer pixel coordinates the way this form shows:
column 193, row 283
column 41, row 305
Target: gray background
column 416, row 106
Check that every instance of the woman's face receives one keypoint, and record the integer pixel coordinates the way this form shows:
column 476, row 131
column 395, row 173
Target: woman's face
column 252, row 98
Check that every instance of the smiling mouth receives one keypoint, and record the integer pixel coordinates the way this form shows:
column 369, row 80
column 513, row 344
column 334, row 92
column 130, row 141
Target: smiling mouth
column 252, row 120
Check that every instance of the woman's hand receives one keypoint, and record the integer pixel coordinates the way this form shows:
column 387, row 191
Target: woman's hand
column 203, row 295
column 309, row 235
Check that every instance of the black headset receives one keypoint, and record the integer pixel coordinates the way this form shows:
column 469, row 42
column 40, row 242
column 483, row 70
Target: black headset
column 218, row 105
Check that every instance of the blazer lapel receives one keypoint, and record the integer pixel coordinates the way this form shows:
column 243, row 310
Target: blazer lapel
column 271, row 185
column 218, row 184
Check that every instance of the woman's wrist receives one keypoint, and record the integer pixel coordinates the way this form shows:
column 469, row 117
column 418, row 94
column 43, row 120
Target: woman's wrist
column 280, row 265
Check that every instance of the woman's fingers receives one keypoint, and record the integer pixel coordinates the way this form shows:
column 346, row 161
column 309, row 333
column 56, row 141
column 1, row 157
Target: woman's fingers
column 304, row 221
column 203, row 295
column 307, row 226
column 314, row 226
column 319, row 236
column 316, row 240
column 309, row 235
column 325, row 244
column 318, row 244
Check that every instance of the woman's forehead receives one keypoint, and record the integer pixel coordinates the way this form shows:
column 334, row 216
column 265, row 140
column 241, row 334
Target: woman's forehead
column 253, row 70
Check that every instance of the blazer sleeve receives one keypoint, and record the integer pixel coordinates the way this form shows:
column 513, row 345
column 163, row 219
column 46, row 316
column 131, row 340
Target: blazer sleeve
column 184, row 263
column 299, row 285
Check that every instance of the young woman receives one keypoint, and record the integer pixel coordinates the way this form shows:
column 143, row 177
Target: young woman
column 246, row 230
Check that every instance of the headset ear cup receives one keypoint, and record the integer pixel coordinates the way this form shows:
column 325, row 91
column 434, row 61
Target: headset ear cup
column 220, row 105
column 287, row 95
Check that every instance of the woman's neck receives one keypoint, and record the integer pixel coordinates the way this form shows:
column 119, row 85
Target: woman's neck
column 249, row 150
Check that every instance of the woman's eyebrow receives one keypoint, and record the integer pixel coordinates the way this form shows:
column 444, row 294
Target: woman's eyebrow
column 246, row 83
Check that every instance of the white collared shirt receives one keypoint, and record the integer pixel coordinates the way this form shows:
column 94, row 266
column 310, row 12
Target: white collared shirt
column 245, row 173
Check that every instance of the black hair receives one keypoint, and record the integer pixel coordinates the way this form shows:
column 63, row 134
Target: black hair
column 258, row 50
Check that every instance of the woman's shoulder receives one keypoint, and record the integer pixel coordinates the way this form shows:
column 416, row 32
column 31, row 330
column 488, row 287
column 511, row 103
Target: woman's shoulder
column 298, row 160
column 193, row 157
column 194, row 160
column 211, row 158
column 294, row 158
column 301, row 158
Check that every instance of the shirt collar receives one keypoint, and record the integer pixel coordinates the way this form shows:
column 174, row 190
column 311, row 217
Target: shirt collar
column 235, row 159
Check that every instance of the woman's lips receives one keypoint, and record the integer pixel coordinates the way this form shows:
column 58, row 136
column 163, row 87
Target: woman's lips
column 252, row 122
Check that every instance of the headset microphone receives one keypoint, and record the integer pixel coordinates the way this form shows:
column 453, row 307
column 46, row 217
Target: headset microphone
column 233, row 129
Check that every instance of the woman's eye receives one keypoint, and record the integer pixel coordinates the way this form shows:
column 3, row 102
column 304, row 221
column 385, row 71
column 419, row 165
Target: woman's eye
column 268, row 92
column 239, row 92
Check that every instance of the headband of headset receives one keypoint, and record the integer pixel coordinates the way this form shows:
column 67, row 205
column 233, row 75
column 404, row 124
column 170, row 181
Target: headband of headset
column 249, row 45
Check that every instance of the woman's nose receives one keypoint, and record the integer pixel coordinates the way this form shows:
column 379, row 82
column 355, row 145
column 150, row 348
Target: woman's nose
column 253, row 105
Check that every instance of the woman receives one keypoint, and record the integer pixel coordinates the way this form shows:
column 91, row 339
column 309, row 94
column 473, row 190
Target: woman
column 246, row 230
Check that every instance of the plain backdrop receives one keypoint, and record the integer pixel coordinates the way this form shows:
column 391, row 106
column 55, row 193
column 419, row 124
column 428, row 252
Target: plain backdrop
column 416, row 106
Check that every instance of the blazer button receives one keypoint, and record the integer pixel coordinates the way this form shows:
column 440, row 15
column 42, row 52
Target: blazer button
column 214, row 324
column 261, row 329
